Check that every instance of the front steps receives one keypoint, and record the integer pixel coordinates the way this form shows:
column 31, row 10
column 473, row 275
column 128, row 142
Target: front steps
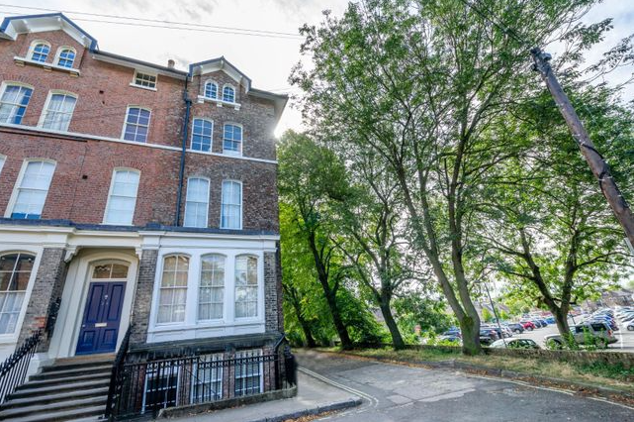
column 71, row 389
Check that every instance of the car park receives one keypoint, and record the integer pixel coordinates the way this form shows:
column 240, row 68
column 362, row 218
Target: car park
column 515, row 343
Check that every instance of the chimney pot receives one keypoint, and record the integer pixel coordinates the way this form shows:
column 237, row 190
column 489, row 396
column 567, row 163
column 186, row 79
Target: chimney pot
column 171, row 63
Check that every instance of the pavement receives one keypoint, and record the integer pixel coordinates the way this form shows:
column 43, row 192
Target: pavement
column 314, row 396
column 625, row 343
column 394, row 393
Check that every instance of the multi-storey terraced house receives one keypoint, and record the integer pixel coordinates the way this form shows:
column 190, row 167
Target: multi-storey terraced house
column 139, row 217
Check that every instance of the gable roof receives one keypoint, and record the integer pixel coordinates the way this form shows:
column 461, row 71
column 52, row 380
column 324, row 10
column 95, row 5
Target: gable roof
column 15, row 25
column 220, row 63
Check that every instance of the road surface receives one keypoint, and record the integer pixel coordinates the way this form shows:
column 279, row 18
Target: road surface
column 395, row 393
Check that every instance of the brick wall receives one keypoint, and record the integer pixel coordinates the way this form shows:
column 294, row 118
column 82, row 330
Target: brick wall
column 272, row 293
column 143, row 297
column 47, row 288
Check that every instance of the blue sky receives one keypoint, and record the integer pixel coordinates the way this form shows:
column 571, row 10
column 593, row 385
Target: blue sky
column 268, row 61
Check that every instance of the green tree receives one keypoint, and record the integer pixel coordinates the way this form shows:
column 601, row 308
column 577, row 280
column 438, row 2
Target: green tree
column 417, row 82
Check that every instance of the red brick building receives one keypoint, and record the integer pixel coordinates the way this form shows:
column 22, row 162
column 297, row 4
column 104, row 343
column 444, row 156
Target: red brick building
column 133, row 196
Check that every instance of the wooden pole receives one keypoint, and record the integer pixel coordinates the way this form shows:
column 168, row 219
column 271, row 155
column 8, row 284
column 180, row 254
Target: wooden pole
column 597, row 164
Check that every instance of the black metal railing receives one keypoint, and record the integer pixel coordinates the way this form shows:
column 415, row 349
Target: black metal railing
column 15, row 368
column 146, row 387
column 116, row 378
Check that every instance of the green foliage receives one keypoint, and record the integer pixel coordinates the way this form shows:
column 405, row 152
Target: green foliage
column 487, row 315
column 429, row 314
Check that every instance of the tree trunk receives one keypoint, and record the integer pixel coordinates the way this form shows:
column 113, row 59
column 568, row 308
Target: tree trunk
column 470, row 336
column 346, row 343
column 310, row 340
column 397, row 339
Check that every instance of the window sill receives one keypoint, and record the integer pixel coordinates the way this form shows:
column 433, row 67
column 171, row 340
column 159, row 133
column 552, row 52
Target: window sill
column 202, row 325
column 142, row 87
column 47, row 66
column 219, row 102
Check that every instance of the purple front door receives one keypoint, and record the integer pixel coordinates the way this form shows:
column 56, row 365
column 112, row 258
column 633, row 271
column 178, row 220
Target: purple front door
column 100, row 325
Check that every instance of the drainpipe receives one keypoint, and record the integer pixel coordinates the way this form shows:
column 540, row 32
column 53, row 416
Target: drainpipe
column 181, row 171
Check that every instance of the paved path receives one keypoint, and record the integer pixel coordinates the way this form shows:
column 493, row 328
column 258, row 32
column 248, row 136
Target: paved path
column 400, row 393
column 312, row 394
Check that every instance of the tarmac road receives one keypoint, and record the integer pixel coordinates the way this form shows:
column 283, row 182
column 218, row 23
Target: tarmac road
column 401, row 393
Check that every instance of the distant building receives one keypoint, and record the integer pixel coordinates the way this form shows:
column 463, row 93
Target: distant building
column 612, row 298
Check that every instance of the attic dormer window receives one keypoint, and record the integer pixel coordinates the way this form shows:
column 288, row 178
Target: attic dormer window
column 211, row 90
column 66, row 57
column 39, row 51
column 144, row 80
column 229, row 94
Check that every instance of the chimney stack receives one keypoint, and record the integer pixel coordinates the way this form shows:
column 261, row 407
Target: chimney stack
column 171, row 63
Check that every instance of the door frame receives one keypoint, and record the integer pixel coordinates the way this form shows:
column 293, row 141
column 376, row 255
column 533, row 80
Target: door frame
column 89, row 282
column 71, row 314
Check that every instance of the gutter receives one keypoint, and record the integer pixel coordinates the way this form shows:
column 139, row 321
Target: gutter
column 181, row 171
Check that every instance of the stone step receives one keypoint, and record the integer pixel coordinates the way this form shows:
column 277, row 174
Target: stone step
column 28, row 390
column 77, row 365
column 47, row 408
column 64, row 415
column 53, row 397
column 66, row 373
column 80, row 362
column 64, row 380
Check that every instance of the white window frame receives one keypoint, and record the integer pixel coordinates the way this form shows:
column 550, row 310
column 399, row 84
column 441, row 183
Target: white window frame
column 229, row 152
column 235, row 94
column 258, row 282
column 6, row 84
column 110, row 193
column 24, row 292
column 243, row 354
column 224, row 288
column 48, row 103
column 217, row 374
column 241, row 203
column 211, row 81
column 36, row 251
column 159, row 287
column 144, row 73
column 211, row 140
column 59, row 52
column 16, row 188
column 187, row 201
column 125, row 124
column 31, row 51
column 151, row 373
column 3, row 159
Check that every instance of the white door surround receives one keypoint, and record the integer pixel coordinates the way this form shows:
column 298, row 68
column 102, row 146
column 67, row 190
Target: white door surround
column 78, row 278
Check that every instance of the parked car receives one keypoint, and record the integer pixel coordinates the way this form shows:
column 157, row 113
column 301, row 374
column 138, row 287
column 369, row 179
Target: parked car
column 599, row 332
column 516, row 328
column 630, row 326
column 451, row 339
column 550, row 320
column 515, row 343
column 528, row 325
column 452, row 332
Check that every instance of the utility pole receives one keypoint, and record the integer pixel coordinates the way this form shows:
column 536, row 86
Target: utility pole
column 495, row 313
column 594, row 159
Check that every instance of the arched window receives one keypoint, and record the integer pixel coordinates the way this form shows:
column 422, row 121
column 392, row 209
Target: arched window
column 32, row 190
column 197, row 202
column 66, row 57
column 229, row 94
column 39, row 51
column 246, row 285
column 202, row 134
column 232, row 139
column 15, row 98
column 212, row 288
column 173, row 290
column 59, row 110
column 231, row 206
column 211, row 89
column 137, row 124
column 15, row 272
column 122, row 198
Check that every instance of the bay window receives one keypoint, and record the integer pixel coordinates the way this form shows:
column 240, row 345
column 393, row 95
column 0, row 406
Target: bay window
column 212, row 287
